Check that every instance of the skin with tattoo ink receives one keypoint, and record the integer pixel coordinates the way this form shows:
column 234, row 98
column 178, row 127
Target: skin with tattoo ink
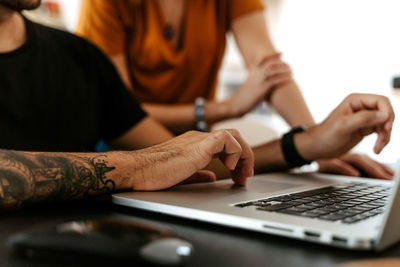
column 27, row 178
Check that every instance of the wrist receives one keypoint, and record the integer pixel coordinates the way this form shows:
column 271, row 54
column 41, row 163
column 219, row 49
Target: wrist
column 305, row 145
column 289, row 146
column 217, row 111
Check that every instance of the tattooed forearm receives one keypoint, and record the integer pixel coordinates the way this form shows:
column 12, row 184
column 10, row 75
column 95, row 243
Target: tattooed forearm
column 27, row 178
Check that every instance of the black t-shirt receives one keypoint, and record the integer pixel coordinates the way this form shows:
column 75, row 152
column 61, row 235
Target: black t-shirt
column 58, row 92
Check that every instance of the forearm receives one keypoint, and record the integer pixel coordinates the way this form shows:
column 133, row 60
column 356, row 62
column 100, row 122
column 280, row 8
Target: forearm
column 31, row 177
column 255, row 44
column 288, row 101
column 27, row 178
column 181, row 118
column 269, row 157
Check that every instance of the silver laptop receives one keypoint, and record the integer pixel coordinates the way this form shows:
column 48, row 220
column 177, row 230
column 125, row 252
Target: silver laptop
column 355, row 213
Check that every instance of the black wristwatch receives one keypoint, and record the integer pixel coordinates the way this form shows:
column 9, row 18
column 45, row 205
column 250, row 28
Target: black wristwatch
column 292, row 156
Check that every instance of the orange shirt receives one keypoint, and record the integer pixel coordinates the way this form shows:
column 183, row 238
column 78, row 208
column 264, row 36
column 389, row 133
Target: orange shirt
column 159, row 72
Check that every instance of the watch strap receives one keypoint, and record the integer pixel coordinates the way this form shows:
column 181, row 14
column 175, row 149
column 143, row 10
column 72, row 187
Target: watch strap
column 290, row 153
column 199, row 114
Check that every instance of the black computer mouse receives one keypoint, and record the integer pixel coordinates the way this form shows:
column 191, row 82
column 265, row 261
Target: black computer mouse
column 108, row 238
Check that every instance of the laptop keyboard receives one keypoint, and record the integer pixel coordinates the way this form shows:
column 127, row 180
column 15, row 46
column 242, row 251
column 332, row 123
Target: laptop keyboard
column 347, row 203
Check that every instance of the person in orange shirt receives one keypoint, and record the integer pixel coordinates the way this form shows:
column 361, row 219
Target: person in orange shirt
column 168, row 52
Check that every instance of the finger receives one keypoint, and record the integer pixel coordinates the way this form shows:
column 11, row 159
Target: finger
column 277, row 79
column 201, row 176
column 277, row 73
column 382, row 141
column 366, row 122
column 267, row 58
column 369, row 101
column 389, row 125
column 375, row 170
column 246, row 162
column 362, row 120
column 357, row 102
column 370, row 167
column 245, row 166
column 373, row 102
column 275, row 68
column 389, row 171
column 231, row 149
column 337, row 166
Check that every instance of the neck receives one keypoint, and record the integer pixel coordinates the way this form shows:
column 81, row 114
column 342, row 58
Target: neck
column 12, row 30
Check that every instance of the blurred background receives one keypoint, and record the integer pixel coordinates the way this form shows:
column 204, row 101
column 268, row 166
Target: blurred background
column 335, row 47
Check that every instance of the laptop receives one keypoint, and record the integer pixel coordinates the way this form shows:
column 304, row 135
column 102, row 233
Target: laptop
column 348, row 212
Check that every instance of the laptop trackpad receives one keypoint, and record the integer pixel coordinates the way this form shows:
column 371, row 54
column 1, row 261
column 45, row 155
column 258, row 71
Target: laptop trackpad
column 268, row 186
column 222, row 191
column 256, row 187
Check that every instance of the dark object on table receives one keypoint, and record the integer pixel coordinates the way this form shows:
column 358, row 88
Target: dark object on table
column 111, row 238
column 396, row 82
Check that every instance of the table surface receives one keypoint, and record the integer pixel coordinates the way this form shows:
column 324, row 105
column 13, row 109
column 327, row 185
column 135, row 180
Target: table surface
column 214, row 245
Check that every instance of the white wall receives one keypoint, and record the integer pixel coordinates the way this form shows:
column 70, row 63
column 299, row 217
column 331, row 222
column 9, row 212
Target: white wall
column 341, row 46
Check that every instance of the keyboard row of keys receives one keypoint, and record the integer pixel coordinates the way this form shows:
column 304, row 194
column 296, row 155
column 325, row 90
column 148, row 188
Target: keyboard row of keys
column 349, row 204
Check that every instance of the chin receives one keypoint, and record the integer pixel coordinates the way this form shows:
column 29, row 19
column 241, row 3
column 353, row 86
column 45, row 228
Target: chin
column 19, row 5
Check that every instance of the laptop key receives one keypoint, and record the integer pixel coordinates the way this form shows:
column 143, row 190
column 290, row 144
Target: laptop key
column 367, row 206
column 280, row 199
column 327, row 210
column 309, row 214
column 287, row 211
column 344, row 213
column 275, row 207
column 348, row 203
column 303, row 201
column 313, row 192
column 294, row 202
column 316, row 204
column 352, row 212
column 319, row 212
column 294, row 210
column 306, row 206
column 333, row 217
column 351, row 220
column 326, row 202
